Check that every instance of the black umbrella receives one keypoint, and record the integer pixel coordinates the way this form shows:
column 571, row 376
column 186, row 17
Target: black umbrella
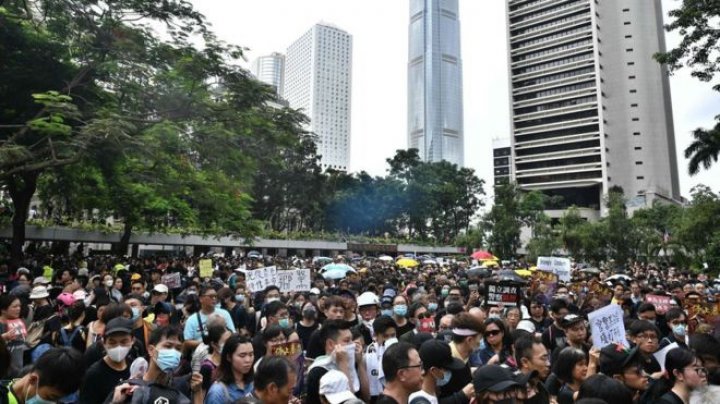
column 509, row 276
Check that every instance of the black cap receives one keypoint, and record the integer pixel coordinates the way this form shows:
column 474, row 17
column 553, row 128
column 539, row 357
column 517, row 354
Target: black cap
column 119, row 325
column 436, row 353
column 494, row 378
column 570, row 320
column 614, row 358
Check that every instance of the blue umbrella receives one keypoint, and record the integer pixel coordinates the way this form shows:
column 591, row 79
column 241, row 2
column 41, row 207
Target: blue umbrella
column 336, row 271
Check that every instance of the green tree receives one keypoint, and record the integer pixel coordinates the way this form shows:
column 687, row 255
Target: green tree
column 503, row 222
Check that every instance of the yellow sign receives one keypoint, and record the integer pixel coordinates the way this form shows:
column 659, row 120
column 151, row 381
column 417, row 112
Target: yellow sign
column 206, row 268
column 286, row 349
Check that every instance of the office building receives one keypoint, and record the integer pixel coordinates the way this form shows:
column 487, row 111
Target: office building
column 590, row 107
column 502, row 161
column 435, row 105
column 270, row 69
column 318, row 77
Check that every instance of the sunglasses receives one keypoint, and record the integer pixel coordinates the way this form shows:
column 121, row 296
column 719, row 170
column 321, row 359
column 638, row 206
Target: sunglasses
column 493, row 333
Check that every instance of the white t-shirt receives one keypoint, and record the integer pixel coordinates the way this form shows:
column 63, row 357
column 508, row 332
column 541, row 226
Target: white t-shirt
column 421, row 394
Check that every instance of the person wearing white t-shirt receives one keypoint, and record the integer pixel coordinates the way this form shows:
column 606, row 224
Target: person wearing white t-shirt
column 438, row 364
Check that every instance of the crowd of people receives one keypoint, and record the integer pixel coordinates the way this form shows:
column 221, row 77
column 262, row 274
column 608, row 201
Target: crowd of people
column 109, row 330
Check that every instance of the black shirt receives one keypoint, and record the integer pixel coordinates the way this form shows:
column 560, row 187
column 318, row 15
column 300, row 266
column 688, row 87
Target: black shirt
column 383, row 399
column 313, row 385
column 305, row 332
column 314, row 347
column 405, row 328
column 458, row 380
column 100, row 380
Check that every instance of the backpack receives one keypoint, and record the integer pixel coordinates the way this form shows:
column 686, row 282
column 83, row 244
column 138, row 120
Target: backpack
column 149, row 393
column 67, row 340
column 36, row 331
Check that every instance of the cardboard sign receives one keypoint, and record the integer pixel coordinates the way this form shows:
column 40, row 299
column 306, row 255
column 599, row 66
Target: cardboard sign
column 558, row 266
column 548, row 279
column 607, row 327
column 295, row 280
column 206, row 268
column 286, row 349
column 502, row 295
column 662, row 303
column 172, row 281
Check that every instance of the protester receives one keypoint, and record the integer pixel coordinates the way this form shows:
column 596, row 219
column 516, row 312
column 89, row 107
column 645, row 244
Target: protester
column 495, row 384
column 47, row 379
column 685, row 373
column 104, row 375
column 234, row 373
column 402, row 368
column 438, row 364
column 274, row 380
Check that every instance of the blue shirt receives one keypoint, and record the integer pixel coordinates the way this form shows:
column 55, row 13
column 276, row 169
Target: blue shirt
column 192, row 328
column 220, row 393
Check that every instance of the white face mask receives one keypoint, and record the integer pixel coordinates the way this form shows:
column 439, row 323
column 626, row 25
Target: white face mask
column 118, row 353
column 109, row 283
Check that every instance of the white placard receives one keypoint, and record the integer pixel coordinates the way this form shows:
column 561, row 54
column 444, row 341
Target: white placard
column 558, row 266
column 295, row 280
column 661, row 354
column 172, row 280
column 607, row 327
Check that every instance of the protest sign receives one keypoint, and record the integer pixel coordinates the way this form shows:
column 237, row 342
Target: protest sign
column 295, row 280
column 286, row 349
column 206, row 269
column 607, row 327
column 558, row 266
column 662, row 303
column 600, row 290
column 545, row 283
column 661, row 354
column 172, row 281
column 502, row 295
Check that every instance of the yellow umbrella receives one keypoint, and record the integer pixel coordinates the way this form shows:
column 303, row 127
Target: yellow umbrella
column 407, row 263
column 490, row 263
column 523, row 272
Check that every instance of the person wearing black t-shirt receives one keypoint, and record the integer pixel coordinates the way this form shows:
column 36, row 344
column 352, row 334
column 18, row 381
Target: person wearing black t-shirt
column 403, row 373
column 102, row 377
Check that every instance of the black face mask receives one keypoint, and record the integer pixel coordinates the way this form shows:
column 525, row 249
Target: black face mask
column 713, row 377
column 309, row 313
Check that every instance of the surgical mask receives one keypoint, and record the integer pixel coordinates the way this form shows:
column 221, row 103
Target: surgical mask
column 192, row 292
column 135, row 313
column 400, row 310
column 309, row 313
column 390, row 341
column 273, row 299
column 386, row 312
column 493, row 315
column 118, row 353
column 679, row 330
column 109, row 283
column 239, row 298
column 168, row 360
column 284, row 323
column 36, row 399
column 445, row 380
column 445, row 292
column 432, row 306
column 368, row 323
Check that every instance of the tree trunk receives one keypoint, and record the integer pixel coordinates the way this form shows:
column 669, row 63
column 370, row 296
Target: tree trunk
column 21, row 189
column 122, row 246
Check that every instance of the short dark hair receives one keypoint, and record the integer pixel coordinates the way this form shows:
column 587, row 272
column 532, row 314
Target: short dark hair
column 269, row 288
column 605, row 388
column 646, row 307
column 215, row 332
column 705, row 346
column 383, row 323
column 673, row 314
column 524, row 347
column 334, row 301
column 7, row 300
column 166, row 332
column 271, row 332
column 396, row 357
column 273, row 370
column 566, row 361
column 272, row 308
column 331, row 330
column 640, row 326
column 54, row 366
column 414, row 307
column 557, row 305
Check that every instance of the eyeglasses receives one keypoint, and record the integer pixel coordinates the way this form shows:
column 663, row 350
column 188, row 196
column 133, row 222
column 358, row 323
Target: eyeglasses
column 214, row 296
column 493, row 333
column 648, row 337
column 424, row 315
column 699, row 370
column 410, row 367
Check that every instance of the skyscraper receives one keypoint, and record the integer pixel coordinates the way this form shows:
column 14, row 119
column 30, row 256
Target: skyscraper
column 435, row 106
column 270, row 69
column 590, row 107
column 318, row 77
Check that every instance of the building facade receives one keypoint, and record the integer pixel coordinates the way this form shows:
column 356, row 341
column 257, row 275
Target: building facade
column 318, row 78
column 435, row 105
column 270, row 69
column 502, row 161
column 590, row 107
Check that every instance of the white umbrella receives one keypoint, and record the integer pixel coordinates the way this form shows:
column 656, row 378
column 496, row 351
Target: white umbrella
column 619, row 277
column 429, row 262
column 336, row 271
column 385, row 258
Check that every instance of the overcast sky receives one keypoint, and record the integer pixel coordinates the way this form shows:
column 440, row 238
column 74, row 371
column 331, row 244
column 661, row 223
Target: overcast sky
column 379, row 103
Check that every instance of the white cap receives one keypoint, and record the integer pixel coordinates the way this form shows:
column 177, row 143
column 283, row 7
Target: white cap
column 526, row 325
column 41, row 280
column 80, row 294
column 39, row 292
column 83, row 272
column 368, row 299
column 23, row 270
column 160, row 288
column 314, row 291
column 335, row 387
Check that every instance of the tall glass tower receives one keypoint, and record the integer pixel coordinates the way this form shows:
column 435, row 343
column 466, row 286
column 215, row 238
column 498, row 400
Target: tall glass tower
column 435, row 106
